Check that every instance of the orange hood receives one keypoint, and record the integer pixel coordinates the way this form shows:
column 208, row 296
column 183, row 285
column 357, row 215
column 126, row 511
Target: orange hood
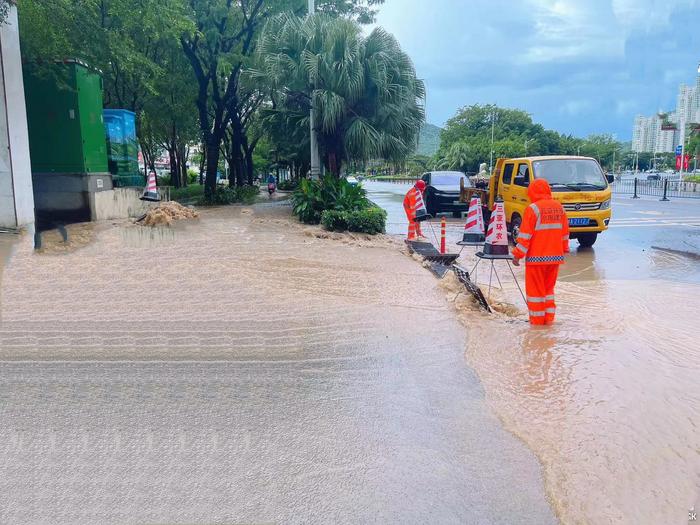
column 539, row 190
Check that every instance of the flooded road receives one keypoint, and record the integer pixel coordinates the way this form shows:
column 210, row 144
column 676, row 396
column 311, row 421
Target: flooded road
column 609, row 398
column 243, row 368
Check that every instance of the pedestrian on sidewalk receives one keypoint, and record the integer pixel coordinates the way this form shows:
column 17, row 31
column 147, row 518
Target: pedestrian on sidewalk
column 543, row 240
column 410, row 203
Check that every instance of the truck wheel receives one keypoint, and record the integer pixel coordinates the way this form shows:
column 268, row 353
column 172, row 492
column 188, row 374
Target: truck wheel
column 515, row 222
column 586, row 240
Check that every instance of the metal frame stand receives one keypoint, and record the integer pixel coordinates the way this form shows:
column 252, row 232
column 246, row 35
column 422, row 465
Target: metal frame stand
column 493, row 271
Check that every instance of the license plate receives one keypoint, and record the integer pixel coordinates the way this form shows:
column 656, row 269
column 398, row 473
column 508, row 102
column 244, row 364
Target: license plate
column 578, row 222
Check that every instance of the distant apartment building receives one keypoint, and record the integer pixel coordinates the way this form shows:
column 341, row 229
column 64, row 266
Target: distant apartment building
column 648, row 135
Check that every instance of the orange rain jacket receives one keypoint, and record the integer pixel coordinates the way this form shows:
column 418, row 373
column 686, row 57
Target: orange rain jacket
column 544, row 232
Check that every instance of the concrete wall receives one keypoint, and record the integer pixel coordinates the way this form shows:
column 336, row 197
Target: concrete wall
column 16, row 194
column 122, row 203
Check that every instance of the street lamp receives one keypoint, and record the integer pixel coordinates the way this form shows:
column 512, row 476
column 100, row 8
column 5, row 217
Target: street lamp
column 493, row 128
column 315, row 159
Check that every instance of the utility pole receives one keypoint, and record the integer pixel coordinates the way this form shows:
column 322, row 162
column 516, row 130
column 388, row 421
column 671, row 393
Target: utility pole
column 315, row 160
column 613, row 168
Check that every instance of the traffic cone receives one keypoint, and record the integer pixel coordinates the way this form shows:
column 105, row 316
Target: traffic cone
column 421, row 212
column 151, row 191
column 474, row 228
column 496, row 245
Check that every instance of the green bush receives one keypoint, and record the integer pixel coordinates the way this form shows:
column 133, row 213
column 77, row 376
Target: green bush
column 247, row 194
column 334, row 220
column 288, row 185
column 225, row 195
column 314, row 196
column 190, row 192
column 692, row 178
column 370, row 220
column 163, row 180
column 192, row 176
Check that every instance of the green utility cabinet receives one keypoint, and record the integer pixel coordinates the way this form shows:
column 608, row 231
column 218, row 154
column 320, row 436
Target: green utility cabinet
column 64, row 113
column 66, row 140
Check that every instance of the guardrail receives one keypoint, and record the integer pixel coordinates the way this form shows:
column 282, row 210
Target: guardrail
column 663, row 188
column 393, row 180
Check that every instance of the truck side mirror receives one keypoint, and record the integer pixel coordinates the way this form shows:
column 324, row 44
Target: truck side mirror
column 611, row 178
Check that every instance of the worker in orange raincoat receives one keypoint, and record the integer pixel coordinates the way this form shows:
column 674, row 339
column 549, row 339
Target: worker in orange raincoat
column 411, row 203
column 543, row 240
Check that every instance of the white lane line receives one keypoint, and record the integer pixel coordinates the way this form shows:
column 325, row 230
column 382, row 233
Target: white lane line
column 656, row 219
column 656, row 225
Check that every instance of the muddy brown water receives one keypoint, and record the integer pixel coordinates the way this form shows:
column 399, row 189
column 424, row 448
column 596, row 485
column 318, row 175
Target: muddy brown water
column 608, row 398
column 243, row 368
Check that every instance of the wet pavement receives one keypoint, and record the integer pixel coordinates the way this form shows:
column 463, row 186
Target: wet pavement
column 243, row 368
column 609, row 398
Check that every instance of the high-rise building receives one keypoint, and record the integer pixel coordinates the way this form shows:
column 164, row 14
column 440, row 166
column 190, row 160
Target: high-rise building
column 648, row 135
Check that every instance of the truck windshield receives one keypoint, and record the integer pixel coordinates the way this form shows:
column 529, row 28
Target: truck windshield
column 565, row 174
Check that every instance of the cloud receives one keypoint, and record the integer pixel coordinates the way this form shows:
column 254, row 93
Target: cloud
column 577, row 66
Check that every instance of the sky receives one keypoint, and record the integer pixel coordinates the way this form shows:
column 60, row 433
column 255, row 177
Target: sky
column 577, row 66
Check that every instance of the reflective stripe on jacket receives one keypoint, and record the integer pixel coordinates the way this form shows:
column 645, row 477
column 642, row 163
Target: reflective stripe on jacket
column 409, row 203
column 544, row 232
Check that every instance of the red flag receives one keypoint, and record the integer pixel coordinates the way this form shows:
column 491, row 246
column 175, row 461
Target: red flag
column 686, row 162
column 678, row 162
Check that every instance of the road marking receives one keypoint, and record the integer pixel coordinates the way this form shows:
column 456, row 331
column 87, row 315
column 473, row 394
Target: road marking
column 656, row 225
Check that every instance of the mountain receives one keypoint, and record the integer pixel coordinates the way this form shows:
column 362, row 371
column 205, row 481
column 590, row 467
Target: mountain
column 429, row 140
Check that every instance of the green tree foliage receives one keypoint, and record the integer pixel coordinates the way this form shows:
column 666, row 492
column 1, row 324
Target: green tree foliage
column 219, row 47
column 135, row 44
column 466, row 139
column 368, row 102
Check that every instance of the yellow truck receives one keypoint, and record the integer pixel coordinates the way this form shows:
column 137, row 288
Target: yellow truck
column 577, row 182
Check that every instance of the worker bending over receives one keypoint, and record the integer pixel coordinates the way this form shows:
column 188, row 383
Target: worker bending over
column 411, row 203
column 543, row 240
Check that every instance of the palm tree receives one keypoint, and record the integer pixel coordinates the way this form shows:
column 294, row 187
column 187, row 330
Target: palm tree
column 456, row 158
column 368, row 102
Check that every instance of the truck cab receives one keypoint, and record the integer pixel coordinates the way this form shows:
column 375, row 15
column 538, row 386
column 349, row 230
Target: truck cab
column 577, row 182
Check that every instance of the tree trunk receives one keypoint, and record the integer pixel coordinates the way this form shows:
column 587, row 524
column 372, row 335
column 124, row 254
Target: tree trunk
column 202, row 163
column 212, row 163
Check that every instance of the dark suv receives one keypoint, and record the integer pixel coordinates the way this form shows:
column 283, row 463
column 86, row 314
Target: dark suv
column 442, row 192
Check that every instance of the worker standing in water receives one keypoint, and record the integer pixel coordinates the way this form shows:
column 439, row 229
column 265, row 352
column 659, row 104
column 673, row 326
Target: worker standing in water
column 410, row 206
column 543, row 240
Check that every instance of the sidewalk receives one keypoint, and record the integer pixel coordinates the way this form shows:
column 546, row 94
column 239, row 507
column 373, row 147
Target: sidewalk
column 242, row 369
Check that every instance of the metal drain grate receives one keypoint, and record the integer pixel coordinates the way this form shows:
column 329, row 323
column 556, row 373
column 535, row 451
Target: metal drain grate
column 463, row 277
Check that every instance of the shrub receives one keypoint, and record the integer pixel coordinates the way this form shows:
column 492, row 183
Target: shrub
column 314, row 196
column 187, row 193
column 226, row 195
column 192, row 176
column 370, row 220
column 288, row 185
column 247, row 194
column 163, row 180
column 692, row 178
column 334, row 220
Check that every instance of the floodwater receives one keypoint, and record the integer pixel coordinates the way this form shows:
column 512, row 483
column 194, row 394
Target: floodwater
column 243, row 368
column 609, row 398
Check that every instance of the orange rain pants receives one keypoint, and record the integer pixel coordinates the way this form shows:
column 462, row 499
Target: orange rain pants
column 409, row 206
column 540, row 281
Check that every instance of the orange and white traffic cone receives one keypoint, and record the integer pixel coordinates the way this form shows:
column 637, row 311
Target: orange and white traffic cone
column 421, row 212
column 151, row 192
column 496, row 246
column 474, row 227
